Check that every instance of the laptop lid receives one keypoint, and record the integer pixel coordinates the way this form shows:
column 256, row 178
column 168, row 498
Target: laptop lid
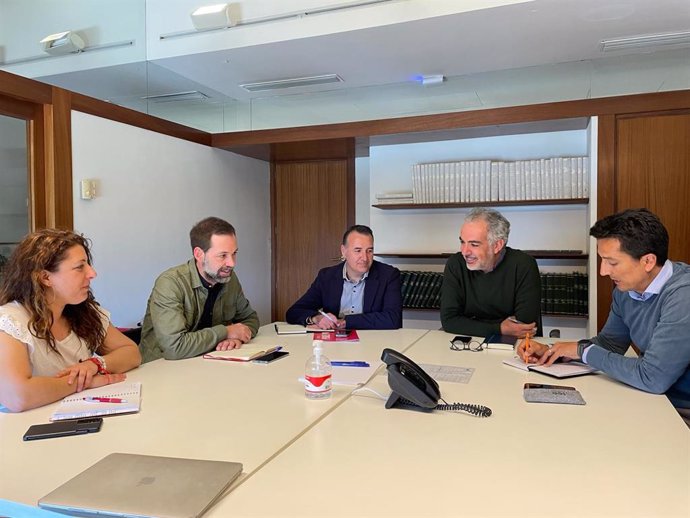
column 127, row 485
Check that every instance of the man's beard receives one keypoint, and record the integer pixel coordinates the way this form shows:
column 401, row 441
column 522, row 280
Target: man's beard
column 217, row 276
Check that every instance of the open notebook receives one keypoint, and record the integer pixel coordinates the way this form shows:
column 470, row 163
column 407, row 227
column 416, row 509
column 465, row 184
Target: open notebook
column 557, row 370
column 75, row 407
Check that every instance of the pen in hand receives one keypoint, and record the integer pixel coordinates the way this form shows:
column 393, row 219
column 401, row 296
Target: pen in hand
column 328, row 317
column 105, row 400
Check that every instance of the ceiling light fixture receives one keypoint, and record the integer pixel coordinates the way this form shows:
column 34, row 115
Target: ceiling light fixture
column 211, row 17
column 646, row 41
column 192, row 95
column 62, row 43
column 294, row 82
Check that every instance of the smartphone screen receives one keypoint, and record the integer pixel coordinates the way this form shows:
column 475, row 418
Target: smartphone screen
column 63, row 428
column 271, row 357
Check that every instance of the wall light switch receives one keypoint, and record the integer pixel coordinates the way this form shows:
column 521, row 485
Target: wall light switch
column 88, row 189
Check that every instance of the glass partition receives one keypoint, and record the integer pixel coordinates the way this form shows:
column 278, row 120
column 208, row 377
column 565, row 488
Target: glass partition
column 14, row 189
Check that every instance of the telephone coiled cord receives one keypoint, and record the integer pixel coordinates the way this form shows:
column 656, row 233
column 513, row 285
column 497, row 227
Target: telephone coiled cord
column 468, row 408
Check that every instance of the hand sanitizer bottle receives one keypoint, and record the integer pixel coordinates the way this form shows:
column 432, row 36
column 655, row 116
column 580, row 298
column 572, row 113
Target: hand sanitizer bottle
column 317, row 374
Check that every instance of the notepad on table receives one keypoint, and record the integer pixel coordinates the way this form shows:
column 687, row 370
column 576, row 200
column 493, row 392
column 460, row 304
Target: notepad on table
column 294, row 329
column 502, row 342
column 340, row 335
column 289, row 329
column 243, row 354
column 74, row 406
column 557, row 370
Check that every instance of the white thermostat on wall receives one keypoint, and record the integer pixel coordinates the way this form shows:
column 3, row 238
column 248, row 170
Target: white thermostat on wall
column 88, row 189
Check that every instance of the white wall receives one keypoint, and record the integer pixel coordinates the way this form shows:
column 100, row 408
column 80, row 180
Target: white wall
column 151, row 189
column 362, row 196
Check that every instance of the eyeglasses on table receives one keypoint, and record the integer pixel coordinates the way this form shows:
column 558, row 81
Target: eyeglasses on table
column 466, row 345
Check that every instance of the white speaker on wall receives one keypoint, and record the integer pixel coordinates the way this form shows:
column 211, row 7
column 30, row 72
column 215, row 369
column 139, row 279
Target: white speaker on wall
column 61, row 43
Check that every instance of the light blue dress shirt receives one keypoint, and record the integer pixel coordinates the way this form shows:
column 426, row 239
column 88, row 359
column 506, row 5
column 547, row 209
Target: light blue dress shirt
column 352, row 299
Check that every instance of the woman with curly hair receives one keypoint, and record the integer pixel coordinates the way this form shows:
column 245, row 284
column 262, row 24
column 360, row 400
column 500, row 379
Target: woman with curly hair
column 54, row 338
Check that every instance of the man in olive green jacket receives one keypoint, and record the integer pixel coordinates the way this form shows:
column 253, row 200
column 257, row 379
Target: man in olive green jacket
column 199, row 306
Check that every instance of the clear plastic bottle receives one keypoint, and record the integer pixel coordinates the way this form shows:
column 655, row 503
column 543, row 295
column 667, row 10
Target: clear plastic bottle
column 317, row 374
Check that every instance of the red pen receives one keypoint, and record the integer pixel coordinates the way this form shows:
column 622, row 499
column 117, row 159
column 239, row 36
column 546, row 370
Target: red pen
column 105, row 400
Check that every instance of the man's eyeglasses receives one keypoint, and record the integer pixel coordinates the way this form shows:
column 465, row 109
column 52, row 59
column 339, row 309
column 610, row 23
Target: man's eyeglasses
column 466, row 344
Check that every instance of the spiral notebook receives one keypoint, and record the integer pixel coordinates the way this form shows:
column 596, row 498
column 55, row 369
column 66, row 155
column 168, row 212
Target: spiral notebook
column 75, row 407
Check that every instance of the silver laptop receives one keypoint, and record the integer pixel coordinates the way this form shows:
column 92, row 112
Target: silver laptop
column 137, row 486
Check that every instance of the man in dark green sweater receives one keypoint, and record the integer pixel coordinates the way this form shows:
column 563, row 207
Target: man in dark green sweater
column 488, row 287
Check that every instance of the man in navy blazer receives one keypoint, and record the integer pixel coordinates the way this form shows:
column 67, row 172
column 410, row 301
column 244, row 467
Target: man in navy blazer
column 358, row 294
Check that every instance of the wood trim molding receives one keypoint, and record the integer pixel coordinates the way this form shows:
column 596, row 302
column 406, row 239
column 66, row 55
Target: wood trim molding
column 313, row 150
column 25, row 89
column 606, row 203
column 36, row 138
column 60, row 199
column 12, row 107
column 274, row 273
column 473, row 118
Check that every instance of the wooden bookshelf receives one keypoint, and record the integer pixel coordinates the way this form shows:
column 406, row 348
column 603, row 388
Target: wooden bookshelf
column 511, row 203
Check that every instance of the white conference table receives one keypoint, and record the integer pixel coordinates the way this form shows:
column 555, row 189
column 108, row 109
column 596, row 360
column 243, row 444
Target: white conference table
column 626, row 453
column 195, row 408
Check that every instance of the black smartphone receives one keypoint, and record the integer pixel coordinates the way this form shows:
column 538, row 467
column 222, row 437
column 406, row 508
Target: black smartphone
column 271, row 357
column 63, row 428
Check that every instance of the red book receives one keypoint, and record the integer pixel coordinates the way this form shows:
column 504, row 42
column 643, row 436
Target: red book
column 340, row 335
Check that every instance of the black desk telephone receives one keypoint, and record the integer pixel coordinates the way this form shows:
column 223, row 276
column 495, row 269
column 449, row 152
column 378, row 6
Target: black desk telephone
column 414, row 389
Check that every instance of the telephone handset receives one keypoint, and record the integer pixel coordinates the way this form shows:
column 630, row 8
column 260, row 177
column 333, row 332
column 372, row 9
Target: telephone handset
column 414, row 389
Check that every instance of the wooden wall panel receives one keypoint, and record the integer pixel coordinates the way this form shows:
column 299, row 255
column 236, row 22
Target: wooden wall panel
column 653, row 171
column 311, row 214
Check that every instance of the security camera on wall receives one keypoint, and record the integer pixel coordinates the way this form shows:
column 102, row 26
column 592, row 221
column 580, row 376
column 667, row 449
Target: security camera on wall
column 61, row 43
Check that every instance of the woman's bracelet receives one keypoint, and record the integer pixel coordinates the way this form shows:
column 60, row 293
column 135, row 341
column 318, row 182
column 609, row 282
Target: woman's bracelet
column 99, row 361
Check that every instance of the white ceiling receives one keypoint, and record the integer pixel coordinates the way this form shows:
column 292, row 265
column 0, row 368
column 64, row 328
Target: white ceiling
column 514, row 36
column 509, row 37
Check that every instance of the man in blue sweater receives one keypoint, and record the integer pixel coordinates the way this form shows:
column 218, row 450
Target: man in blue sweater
column 651, row 309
